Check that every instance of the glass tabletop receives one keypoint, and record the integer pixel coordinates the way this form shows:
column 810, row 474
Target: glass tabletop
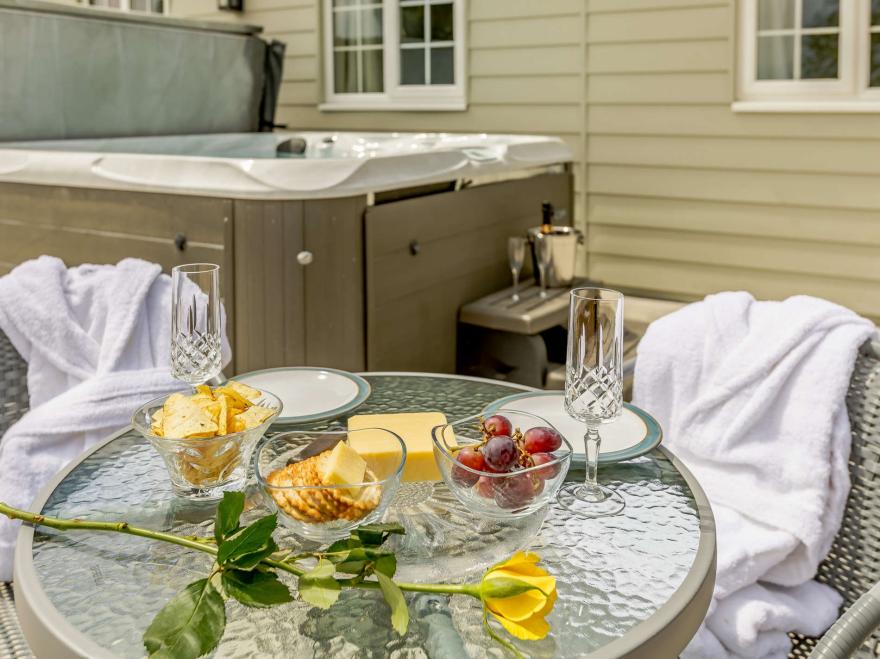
column 613, row 573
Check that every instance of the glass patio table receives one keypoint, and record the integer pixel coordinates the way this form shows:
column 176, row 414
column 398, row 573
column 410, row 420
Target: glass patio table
column 635, row 584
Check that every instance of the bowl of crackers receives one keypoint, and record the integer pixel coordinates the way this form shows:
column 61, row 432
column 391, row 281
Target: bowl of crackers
column 324, row 484
column 207, row 437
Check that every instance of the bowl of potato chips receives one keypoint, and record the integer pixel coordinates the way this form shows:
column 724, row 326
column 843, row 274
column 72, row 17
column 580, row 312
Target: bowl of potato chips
column 206, row 437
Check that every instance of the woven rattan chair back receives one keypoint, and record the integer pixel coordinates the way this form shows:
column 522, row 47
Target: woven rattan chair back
column 852, row 566
column 13, row 384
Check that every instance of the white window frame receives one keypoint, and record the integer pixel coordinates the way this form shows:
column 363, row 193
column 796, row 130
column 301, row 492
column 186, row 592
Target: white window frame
column 849, row 93
column 397, row 97
column 125, row 5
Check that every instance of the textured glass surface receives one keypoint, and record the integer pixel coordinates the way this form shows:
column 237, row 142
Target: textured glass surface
column 613, row 572
column 819, row 56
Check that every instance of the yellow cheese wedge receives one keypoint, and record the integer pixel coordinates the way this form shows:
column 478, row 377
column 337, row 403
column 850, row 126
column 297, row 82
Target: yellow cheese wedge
column 414, row 429
column 343, row 466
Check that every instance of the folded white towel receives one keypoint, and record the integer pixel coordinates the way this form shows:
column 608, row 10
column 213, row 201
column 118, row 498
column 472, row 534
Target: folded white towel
column 751, row 396
column 97, row 342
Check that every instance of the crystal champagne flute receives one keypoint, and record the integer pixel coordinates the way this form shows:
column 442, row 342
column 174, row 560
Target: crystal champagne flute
column 516, row 252
column 195, row 322
column 543, row 252
column 593, row 389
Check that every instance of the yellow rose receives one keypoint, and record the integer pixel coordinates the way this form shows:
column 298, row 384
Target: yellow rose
column 519, row 594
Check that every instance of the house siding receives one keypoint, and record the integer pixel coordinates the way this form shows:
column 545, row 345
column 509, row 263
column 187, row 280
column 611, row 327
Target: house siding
column 680, row 196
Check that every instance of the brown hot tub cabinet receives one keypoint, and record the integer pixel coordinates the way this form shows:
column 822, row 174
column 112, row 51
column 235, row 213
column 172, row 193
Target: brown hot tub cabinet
column 354, row 282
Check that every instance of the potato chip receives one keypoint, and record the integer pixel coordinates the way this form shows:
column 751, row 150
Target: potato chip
column 205, row 389
column 248, row 393
column 186, row 418
column 156, row 422
column 223, row 416
column 235, row 398
column 254, row 416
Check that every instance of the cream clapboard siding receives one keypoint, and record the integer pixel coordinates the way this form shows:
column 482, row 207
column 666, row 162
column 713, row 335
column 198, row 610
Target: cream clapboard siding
column 687, row 198
column 682, row 196
column 525, row 71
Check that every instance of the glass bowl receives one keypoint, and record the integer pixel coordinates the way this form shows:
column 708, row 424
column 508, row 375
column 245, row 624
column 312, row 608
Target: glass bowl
column 288, row 467
column 204, row 468
column 500, row 495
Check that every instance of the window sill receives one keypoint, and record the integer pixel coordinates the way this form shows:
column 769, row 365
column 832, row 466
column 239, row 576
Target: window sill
column 813, row 107
column 440, row 106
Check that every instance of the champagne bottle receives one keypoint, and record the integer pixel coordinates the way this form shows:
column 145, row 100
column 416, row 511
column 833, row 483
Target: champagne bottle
column 546, row 217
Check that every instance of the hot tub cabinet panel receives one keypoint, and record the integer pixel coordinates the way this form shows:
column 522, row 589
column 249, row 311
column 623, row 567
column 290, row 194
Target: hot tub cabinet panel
column 321, row 282
column 428, row 256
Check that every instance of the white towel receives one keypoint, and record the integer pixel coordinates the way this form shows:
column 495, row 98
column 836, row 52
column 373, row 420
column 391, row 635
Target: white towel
column 97, row 342
column 751, row 396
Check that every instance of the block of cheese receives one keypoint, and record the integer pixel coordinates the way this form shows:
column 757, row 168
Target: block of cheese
column 413, row 428
column 344, row 466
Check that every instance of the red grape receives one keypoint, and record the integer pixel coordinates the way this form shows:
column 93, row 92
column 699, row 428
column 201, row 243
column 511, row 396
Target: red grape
column 497, row 426
column 541, row 440
column 472, row 458
column 543, row 458
column 500, row 453
column 515, row 491
column 485, row 487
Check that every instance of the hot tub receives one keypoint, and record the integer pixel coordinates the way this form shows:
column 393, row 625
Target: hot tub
column 283, row 165
column 352, row 250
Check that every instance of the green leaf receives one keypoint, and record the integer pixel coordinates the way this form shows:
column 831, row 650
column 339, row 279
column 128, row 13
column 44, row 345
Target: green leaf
column 250, row 539
column 397, row 603
column 190, row 625
column 228, row 513
column 254, row 588
column 503, row 587
column 318, row 587
column 386, row 565
column 250, row 561
column 373, row 535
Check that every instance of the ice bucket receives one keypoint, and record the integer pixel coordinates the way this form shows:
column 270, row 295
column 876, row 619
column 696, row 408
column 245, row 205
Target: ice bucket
column 563, row 254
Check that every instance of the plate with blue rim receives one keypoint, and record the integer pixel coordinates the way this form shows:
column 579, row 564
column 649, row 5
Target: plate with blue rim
column 633, row 433
column 309, row 393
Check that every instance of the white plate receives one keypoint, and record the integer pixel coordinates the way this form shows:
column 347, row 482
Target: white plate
column 310, row 394
column 633, row 433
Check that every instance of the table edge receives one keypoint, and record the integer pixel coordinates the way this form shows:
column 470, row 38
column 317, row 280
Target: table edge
column 35, row 611
column 684, row 612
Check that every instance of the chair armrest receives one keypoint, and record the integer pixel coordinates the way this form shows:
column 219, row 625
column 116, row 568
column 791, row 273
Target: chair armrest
column 851, row 629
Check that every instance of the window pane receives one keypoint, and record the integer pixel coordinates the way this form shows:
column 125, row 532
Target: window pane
column 441, row 23
column 775, row 14
column 345, row 28
column 344, row 3
column 819, row 56
column 345, row 72
column 138, row 5
column 373, row 71
column 875, row 60
column 875, row 12
column 821, row 13
column 776, row 58
column 442, row 67
column 371, row 26
column 412, row 66
column 412, row 24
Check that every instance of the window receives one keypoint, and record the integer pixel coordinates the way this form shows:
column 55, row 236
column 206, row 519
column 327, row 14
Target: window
column 394, row 55
column 810, row 54
column 143, row 6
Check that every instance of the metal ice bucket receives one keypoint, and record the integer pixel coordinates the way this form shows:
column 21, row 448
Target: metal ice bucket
column 563, row 254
